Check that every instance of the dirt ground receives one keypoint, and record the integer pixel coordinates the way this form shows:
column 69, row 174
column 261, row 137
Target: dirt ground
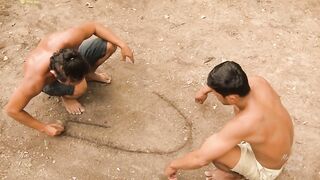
column 132, row 128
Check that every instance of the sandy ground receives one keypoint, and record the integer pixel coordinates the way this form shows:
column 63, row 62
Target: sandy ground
column 132, row 128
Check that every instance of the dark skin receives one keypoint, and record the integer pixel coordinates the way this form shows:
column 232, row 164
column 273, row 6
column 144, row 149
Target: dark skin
column 37, row 73
column 260, row 119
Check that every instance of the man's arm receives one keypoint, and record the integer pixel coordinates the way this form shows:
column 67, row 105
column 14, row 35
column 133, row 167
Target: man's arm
column 202, row 94
column 74, row 37
column 20, row 98
column 214, row 147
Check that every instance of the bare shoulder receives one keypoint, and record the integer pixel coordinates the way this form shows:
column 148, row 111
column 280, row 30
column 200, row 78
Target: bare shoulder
column 257, row 80
column 33, row 85
column 68, row 38
column 242, row 125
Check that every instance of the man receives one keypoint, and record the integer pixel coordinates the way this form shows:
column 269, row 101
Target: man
column 61, row 65
column 256, row 142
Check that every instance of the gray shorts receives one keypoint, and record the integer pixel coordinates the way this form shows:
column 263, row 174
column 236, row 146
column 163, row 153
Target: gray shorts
column 91, row 50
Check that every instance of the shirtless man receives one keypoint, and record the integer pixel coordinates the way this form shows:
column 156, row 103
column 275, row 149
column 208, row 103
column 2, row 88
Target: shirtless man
column 61, row 65
column 255, row 143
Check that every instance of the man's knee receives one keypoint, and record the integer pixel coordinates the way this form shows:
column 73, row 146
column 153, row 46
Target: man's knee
column 79, row 90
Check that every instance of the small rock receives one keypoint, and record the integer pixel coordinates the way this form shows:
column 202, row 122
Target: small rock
column 166, row 16
column 305, row 122
column 74, row 178
column 5, row 58
column 89, row 5
column 203, row 17
column 118, row 169
column 215, row 106
column 54, row 161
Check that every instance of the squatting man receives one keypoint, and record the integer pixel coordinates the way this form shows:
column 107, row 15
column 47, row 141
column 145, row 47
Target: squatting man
column 61, row 65
column 256, row 143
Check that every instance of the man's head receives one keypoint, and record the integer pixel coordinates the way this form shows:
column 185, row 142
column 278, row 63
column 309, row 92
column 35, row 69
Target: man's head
column 229, row 82
column 68, row 66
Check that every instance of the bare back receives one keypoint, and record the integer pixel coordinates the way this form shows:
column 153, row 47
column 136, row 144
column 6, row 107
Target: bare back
column 272, row 126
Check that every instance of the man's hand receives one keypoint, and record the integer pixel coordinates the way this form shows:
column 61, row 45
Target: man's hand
column 53, row 129
column 200, row 97
column 127, row 52
column 171, row 173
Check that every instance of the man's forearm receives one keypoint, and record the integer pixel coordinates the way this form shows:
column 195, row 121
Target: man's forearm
column 26, row 119
column 189, row 161
column 205, row 89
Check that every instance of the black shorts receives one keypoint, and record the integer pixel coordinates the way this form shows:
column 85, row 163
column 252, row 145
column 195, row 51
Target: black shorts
column 91, row 50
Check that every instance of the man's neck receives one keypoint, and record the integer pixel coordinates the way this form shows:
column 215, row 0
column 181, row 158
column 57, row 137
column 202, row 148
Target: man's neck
column 243, row 102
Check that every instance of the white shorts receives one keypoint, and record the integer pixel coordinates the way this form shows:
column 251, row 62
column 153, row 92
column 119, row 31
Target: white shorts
column 250, row 168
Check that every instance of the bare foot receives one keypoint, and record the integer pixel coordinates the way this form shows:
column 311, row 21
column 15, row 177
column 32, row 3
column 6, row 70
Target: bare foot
column 218, row 174
column 72, row 106
column 99, row 77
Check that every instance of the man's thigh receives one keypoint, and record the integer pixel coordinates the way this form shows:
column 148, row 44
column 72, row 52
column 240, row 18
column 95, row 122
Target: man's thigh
column 93, row 49
column 230, row 159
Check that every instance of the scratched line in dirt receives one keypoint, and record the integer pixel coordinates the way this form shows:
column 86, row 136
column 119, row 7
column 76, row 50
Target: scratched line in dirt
column 188, row 124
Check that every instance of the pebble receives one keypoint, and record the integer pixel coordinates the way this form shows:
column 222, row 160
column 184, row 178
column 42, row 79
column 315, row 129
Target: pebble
column 203, row 17
column 89, row 5
column 5, row 58
column 215, row 107
column 189, row 81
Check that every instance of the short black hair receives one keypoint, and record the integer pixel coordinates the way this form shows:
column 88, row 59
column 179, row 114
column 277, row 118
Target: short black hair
column 228, row 78
column 69, row 63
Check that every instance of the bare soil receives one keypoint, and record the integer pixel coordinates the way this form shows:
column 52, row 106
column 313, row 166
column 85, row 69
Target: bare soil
column 147, row 116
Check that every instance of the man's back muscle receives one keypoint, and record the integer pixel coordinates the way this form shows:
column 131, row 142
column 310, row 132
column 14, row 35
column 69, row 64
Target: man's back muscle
column 273, row 127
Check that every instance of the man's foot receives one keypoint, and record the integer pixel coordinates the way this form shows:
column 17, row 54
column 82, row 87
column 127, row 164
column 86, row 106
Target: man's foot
column 218, row 174
column 72, row 106
column 99, row 77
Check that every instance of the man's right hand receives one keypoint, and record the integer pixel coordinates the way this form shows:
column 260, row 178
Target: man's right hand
column 200, row 97
column 53, row 129
column 127, row 52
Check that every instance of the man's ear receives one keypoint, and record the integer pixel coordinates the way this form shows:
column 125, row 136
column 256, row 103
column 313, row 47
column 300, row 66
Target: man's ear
column 54, row 73
column 232, row 98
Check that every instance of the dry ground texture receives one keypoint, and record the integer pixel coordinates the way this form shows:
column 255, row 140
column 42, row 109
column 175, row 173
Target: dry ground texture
column 147, row 116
